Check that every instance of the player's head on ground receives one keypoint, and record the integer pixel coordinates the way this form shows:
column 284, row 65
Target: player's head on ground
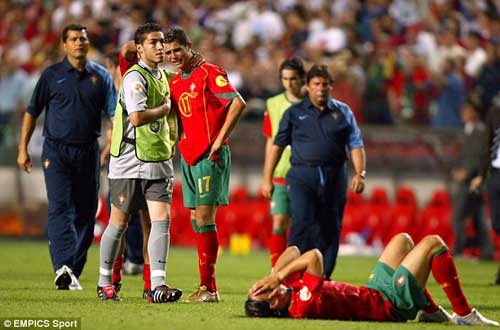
column 319, row 84
column 273, row 303
column 150, row 42
column 292, row 74
column 178, row 48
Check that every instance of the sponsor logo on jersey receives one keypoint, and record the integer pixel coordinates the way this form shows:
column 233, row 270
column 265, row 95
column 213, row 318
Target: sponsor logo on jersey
column 221, row 81
column 401, row 280
column 93, row 79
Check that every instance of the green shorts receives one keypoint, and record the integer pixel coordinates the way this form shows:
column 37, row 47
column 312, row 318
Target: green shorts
column 207, row 181
column 279, row 203
column 400, row 288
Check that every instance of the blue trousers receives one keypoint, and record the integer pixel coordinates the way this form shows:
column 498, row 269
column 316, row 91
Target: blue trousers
column 317, row 199
column 72, row 181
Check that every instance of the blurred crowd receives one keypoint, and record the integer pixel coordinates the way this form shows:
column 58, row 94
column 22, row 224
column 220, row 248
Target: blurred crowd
column 393, row 62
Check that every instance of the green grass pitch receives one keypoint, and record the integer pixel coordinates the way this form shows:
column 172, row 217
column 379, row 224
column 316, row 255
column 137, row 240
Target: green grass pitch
column 26, row 290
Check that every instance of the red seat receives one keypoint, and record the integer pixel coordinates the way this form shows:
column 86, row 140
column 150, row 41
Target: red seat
column 377, row 216
column 354, row 215
column 435, row 218
column 402, row 215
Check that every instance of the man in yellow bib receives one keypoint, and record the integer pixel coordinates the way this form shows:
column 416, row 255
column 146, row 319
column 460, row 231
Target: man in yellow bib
column 140, row 170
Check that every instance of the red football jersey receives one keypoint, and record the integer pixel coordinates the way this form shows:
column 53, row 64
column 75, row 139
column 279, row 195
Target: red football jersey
column 316, row 298
column 124, row 64
column 201, row 99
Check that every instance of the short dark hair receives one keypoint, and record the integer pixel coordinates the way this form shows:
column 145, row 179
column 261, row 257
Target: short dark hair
column 143, row 30
column 177, row 34
column 71, row 27
column 295, row 64
column 319, row 70
column 471, row 102
column 255, row 308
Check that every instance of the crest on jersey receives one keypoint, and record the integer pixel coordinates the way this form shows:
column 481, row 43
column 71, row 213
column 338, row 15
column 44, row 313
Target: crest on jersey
column 335, row 115
column 220, row 81
column 93, row 79
column 305, row 294
column 137, row 87
column 192, row 89
column 46, row 163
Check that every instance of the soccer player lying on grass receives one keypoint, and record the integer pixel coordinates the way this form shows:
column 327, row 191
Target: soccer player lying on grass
column 395, row 290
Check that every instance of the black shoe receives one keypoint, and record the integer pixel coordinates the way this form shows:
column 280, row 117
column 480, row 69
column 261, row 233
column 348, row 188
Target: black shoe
column 107, row 293
column 163, row 294
column 146, row 294
column 63, row 278
column 118, row 286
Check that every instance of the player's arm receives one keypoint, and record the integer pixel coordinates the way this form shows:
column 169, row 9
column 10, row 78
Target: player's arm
column 23, row 157
column 270, row 163
column 135, row 98
column 358, row 157
column 139, row 118
column 311, row 262
column 127, row 57
column 234, row 112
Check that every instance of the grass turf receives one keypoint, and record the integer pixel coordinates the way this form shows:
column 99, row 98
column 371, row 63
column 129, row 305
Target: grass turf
column 27, row 290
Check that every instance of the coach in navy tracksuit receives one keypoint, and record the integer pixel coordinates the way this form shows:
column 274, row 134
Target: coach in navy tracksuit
column 74, row 94
column 318, row 129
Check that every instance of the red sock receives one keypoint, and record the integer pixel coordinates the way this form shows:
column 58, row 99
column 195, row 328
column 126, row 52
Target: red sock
column 445, row 273
column 433, row 307
column 207, row 251
column 277, row 244
column 117, row 269
column 146, row 276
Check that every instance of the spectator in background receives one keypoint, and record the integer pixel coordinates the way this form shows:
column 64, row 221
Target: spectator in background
column 292, row 75
column 13, row 92
column 467, row 203
column 74, row 93
column 488, row 79
column 490, row 166
column 476, row 55
column 319, row 130
column 451, row 92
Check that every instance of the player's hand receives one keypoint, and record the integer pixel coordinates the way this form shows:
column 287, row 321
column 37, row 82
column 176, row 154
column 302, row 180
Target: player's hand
column 214, row 149
column 358, row 184
column 24, row 160
column 167, row 104
column 476, row 183
column 268, row 283
column 196, row 59
column 267, row 189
